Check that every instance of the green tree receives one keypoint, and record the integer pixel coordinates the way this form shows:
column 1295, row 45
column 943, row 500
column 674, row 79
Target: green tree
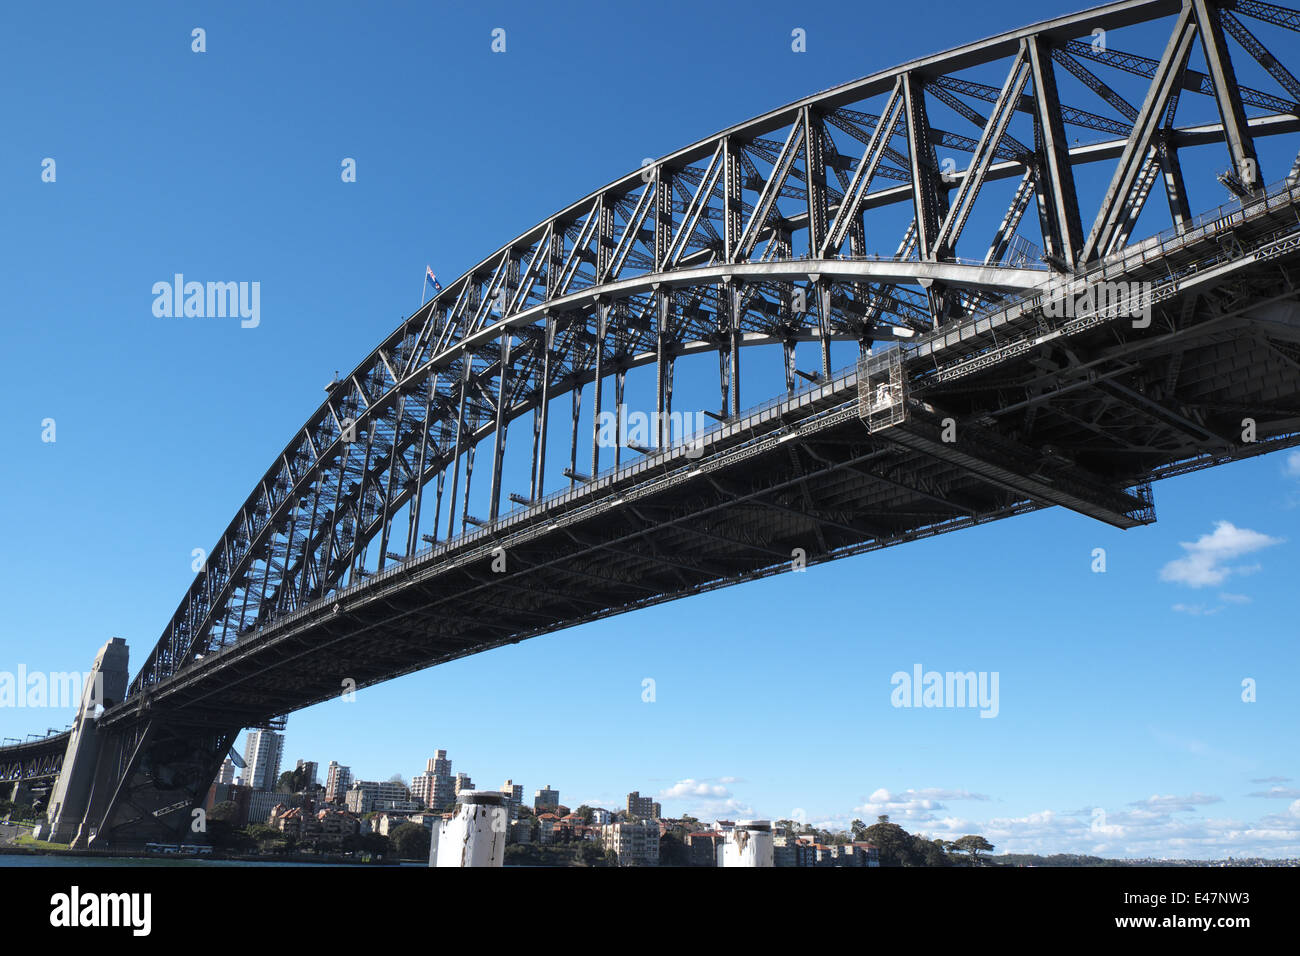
column 410, row 841
column 376, row 844
column 293, row 781
column 585, row 813
column 225, row 811
column 893, row 843
column 592, row 854
column 930, row 852
column 974, row 845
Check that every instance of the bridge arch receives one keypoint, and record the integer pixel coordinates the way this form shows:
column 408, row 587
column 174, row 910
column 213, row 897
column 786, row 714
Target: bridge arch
column 764, row 234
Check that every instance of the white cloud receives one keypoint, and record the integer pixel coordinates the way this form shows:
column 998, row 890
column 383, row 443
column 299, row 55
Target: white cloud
column 1174, row 803
column 695, row 788
column 912, row 805
column 704, row 799
column 1204, row 564
column 1277, row 793
column 1293, row 465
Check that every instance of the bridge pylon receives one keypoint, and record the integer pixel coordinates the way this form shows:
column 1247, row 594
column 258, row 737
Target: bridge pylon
column 106, row 684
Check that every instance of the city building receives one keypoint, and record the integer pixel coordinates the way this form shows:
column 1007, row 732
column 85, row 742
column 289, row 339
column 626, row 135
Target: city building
column 337, row 780
column 635, row 844
column 309, row 776
column 789, row 850
column 601, row 816
column 702, row 848
column 463, row 783
column 262, row 802
column 548, row 825
column 227, row 772
column 546, row 799
column 435, row 787
column 367, row 795
column 262, row 752
column 326, row 825
column 514, row 796
column 643, row 807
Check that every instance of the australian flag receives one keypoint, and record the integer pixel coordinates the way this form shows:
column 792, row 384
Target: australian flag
column 429, row 276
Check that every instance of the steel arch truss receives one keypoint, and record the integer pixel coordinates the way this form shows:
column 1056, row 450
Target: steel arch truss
column 831, row 219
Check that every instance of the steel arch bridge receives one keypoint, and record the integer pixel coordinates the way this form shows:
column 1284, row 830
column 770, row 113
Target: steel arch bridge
column 831, row 220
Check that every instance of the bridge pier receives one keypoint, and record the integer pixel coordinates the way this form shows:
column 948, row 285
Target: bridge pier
column 105, row 685
column 149, row 778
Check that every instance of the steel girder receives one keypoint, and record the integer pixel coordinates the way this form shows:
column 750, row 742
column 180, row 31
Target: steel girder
column 696, row 253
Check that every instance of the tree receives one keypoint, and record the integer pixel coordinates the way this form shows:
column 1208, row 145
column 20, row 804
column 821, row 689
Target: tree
column 592, row 854
column 224, row 812
column 585, row 813
column 266, row 839
column 893, row 843
column 974, row 845
column 376, row 844
column 293, row 781
column 410, row 841
column 931, row 852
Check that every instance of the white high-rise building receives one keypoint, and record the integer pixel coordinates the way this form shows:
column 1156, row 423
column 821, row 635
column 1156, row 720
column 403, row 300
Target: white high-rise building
column 262, row 753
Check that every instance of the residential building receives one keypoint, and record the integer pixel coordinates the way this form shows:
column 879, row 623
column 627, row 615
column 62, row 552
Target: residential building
column 262, row 802
column 309, row 778
column 435, row 787
column 227, row 772
column 635, row 844
column 789, row 850
column 326, row 825
column 546, row 799
column 367, row 795
column 548, row 825
column 643, row 807
column 337, row 780
column 702, row 847
column 262, row 753
column 514, row 796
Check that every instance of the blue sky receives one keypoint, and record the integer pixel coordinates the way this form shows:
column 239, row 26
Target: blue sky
column 1119, row 690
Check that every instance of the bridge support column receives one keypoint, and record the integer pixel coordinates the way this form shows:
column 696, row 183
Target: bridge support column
column 105, row 685
column 149, row 778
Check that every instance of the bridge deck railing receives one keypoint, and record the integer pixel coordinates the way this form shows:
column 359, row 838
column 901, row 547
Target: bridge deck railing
column 1155, row 250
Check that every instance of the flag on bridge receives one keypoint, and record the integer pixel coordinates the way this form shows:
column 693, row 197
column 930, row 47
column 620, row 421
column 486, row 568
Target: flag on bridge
column 430, row 277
